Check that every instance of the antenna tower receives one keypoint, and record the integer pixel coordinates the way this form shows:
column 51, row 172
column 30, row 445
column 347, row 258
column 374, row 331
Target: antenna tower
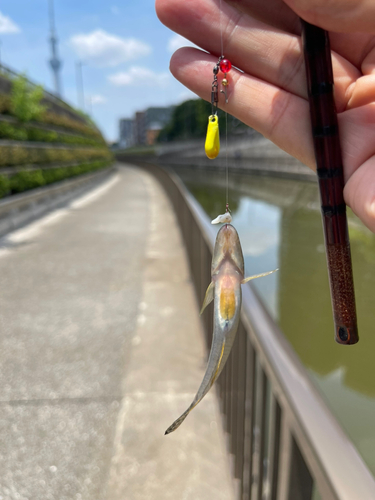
column 54, row 62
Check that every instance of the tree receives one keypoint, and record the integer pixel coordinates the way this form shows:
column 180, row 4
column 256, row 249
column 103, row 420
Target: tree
column 189, row 121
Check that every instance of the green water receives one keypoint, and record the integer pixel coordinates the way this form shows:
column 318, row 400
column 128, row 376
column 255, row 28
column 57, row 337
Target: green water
column 279, row 224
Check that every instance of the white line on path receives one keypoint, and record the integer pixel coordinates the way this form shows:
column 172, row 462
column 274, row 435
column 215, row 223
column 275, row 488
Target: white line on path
column 35, row 228
column 95, row 194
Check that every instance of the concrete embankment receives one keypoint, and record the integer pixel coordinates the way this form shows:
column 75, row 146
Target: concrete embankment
column 254, row 154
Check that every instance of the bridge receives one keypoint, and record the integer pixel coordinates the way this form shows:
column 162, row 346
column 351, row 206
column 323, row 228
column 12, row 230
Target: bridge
column 103, row 347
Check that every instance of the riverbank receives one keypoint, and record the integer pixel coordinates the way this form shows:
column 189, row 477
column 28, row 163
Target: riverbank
column 256, row 155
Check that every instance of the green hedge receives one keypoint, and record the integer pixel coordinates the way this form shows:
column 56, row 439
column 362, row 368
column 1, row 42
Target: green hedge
column 23, row 181
column 21, row 132
column 20, row 155
column 5, row 104
column 4, row 185
column 49, row 118
column 70, row 124
column 25, row 100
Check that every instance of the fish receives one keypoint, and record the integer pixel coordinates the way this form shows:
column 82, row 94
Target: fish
column 227, row 274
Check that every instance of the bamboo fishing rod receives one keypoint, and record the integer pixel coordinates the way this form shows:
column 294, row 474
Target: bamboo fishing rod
column 329, row 167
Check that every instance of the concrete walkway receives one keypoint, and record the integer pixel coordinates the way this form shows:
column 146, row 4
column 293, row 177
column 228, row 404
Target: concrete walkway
column 101, row 349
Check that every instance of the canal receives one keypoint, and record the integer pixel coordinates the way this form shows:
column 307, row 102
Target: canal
column 280, row 226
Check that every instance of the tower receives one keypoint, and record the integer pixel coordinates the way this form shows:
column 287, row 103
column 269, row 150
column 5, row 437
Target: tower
column 54, row 62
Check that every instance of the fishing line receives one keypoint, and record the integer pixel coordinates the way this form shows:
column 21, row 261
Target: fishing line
column 226, row 164
column 221, row 33
column 212, row 144
column 226, row 119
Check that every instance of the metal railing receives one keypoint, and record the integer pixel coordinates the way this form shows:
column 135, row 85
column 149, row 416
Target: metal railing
column 285, row 443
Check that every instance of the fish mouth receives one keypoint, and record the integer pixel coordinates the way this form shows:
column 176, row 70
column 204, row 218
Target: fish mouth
column 228, row 247
column 231, row 239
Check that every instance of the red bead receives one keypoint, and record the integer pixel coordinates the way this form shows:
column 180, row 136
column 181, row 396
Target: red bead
column 225, row 65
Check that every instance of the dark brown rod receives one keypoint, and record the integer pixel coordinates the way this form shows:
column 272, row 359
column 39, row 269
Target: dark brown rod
column 329, row 168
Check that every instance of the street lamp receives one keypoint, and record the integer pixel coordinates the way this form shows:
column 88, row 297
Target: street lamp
column 79, row 81
column 90, row 105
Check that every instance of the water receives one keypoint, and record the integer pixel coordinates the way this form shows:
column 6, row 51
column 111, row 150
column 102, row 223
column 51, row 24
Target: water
column 279, row 224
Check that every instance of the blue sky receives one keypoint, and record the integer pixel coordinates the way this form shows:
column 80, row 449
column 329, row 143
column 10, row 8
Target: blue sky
column 124, row 48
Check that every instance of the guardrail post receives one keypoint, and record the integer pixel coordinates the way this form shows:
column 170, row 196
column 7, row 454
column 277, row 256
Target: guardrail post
column 249, row 418
column 234, row 400
column 284, row 460
column 274, row 447
column 300, row 481
column 241, row 395
column 260, row 426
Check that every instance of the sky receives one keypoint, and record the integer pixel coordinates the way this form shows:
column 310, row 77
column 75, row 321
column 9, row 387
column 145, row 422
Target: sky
column 124, row 49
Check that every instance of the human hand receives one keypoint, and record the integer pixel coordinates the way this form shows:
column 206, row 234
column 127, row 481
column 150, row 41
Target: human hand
column 263, row 40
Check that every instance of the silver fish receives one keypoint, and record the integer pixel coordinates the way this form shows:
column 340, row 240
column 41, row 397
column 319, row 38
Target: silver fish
column 227, row 272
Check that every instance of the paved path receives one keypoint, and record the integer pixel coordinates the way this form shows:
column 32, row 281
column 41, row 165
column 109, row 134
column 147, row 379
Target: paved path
column 101, row 349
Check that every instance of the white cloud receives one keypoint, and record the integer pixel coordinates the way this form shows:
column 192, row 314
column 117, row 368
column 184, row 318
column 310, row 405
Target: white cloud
column 115, row 10
column 7, row 25
column 104, row 50
column 139, row 76
column 178, row 41
column 97, row 99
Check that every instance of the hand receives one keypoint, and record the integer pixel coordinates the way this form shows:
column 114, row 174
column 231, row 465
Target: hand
column 263, row 40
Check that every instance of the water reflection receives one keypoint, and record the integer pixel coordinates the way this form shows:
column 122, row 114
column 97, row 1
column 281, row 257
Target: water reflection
column 260, row 245
column 280, row 226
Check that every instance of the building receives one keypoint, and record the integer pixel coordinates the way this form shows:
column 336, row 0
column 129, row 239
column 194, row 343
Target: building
column 152, row 133
column 126, row 138
column 144, row 127
column 139, row 128
column 155, row 120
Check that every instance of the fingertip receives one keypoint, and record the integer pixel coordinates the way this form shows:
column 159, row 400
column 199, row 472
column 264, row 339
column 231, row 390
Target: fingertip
column 370, row 212
column 189, row 60
column 177, row 57
column 359, row 193
column 176, row 62
column 162, row 8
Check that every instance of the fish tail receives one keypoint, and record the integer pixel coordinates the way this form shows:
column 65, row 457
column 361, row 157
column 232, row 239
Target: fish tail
column 204, row 388
column 177, row 422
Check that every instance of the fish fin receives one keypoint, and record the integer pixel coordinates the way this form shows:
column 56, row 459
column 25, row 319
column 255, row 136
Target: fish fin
column 257, row 276
column 209, row 297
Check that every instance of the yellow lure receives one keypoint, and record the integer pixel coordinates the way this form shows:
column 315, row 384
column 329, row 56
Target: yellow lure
column 212, row 144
